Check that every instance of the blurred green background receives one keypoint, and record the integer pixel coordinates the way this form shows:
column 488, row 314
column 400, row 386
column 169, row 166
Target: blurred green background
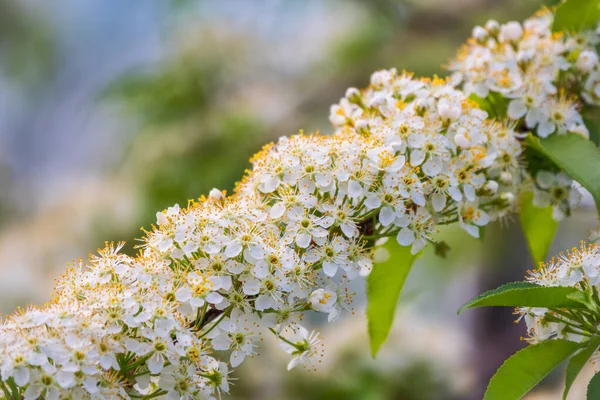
column 113, row 110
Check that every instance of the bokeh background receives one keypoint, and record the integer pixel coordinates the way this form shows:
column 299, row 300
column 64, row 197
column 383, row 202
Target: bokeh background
column 112, row 110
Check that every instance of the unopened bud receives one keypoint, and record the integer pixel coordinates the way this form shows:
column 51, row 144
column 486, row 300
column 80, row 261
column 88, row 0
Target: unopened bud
column 491, row 186
column 480, row 34
column 362, row 127
column 353, row 95
column 420, row 107
column 215, row 194
column 506, row 177
column 448, row 110
column 507, row 198
column 512, row 31
column 493, row 27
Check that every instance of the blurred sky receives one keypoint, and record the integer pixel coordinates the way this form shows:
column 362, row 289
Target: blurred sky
column 53, row 128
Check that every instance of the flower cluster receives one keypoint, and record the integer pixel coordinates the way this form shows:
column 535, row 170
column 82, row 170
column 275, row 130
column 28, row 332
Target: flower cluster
column 443, row 161
column 538, row 80
column 578, row 268
column 408, row 155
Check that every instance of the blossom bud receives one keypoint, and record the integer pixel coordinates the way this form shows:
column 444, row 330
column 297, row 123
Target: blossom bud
column 480, row 34
column 354, row 96
column 524, row 59
column 421, row 106
column 493, row 27
column 378, row 101
column 362, row 126
column 383, row 77
column 491, row 186
column 449, row 111
column 507, row 198
column 512, row 31
column 506, row 177
column 216, row 194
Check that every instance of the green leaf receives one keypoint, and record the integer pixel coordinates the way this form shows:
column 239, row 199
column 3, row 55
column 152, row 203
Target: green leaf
column 574, row 154
column 525, row 294
column 593, row 391
column 539, row 227
column 577, row 362
column 494, row 104
column 579, row 297
column 576, row 16
column 484, row 104
column 527, row 367
column 384, row 285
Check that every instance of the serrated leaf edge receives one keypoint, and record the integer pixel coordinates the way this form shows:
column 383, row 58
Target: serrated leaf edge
column 521, row 351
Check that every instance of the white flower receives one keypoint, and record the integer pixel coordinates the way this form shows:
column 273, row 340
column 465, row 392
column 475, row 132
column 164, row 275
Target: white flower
column 43, row 382
column 304, row 347
column 323, row 300
column 304, row 228
column 217, row 375
column 587, row 61
column 471, row 217
column 332, row 255
column 578, row 267
column 236, row 334
column 200, row 289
